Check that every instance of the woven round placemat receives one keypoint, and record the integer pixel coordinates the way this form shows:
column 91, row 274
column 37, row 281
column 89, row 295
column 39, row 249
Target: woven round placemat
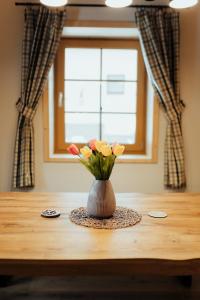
column 123, row 217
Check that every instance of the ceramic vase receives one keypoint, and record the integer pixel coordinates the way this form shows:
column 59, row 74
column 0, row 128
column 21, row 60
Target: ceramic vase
column 101, row 200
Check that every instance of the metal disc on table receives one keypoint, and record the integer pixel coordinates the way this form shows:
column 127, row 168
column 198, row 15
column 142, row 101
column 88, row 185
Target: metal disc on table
column 50, row 213
column 158, row 214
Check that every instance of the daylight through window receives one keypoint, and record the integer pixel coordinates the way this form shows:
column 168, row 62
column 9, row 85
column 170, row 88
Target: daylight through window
column 100, row 92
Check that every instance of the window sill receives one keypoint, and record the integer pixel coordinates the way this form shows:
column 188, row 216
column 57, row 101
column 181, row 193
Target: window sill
column 142, row 159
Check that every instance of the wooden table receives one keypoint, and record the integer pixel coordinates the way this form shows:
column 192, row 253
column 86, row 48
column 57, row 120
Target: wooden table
column 32, row 245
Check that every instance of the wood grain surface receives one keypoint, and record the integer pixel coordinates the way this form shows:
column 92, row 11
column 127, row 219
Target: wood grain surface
column 30, row 244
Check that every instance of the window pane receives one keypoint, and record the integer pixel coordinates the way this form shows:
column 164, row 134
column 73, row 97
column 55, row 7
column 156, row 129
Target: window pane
column 119, row 97
column 82, row 63
column 80, row 128
column 120, row 128
column 119, row 62
column 82, row 96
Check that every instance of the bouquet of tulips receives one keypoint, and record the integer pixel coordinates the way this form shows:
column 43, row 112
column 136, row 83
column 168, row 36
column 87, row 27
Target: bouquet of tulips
column 98, row 157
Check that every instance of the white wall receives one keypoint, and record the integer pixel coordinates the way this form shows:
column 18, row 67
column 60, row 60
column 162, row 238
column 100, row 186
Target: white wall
column 73, row 177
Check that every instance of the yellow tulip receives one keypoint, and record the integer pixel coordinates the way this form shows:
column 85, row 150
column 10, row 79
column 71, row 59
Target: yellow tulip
column 86, row 152
column 106, row 150
column 99, row 145
column 118, row 149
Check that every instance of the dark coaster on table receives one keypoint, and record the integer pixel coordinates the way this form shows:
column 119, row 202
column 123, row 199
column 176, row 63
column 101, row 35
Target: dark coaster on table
column 50, row 213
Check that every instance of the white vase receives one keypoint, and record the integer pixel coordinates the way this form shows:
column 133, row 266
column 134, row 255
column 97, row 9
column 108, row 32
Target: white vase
column 101, row 200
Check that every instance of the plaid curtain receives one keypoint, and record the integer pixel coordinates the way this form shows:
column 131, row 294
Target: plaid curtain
column 42, row 33
column 160, row 40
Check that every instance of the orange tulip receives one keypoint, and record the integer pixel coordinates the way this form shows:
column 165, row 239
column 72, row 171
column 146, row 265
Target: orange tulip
column 118, row 149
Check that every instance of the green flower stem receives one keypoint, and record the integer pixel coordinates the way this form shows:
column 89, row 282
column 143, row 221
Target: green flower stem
column 99, row 166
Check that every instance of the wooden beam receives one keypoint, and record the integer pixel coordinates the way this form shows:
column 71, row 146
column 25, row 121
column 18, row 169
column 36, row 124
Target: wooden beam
column 89, row 5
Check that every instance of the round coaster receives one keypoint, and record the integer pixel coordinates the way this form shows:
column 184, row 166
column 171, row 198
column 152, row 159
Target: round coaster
column 123, row 217
column 50, row 213
column 157, row 214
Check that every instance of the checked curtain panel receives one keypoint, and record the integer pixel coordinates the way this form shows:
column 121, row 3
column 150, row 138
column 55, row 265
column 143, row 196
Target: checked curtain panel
column 160, row 41
column 42, row 33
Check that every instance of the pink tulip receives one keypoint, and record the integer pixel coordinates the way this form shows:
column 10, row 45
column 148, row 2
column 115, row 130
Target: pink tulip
column 113, row 146
column 73, row 149
column 92, row 145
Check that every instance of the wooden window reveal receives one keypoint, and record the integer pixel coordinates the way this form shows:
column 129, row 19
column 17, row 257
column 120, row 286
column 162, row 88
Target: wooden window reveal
column 60, row 143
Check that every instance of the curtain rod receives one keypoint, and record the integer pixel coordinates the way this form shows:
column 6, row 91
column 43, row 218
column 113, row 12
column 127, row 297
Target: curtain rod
column 88, row 5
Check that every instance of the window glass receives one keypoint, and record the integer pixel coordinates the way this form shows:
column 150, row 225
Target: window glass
column 81, row 127
column 119, row 128
column 100, row 95
column 119, row 97
column 119, row 62
column 81, row 63
column 82, row 96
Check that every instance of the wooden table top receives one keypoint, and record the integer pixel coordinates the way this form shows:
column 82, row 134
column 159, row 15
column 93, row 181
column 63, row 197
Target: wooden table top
column 27, row 237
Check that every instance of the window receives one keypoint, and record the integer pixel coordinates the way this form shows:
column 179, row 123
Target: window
column 100, row 92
